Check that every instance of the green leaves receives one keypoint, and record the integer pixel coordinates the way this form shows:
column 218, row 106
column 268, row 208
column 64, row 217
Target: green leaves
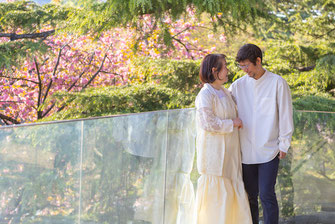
column 26, row 17
column 315, row 103
column 325, row 70
column 101, row 16
column 182, row 75
column 29, row 17
column 104, row 101
column 12, row 52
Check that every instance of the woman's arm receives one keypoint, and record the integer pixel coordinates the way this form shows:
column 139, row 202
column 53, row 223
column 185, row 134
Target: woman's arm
column 209, row 122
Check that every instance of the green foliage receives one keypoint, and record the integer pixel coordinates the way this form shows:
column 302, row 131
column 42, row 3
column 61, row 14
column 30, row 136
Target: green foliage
column 101, row 16
column 315, row 103
column 289, row 60
column 325, row 69
column 302, row 44
column 234, row 71
column 319, row 81
column 182, row 75
column 282, row 57
column 12, row 52
column 27, row 17
column 306, row 20
column 117, row 100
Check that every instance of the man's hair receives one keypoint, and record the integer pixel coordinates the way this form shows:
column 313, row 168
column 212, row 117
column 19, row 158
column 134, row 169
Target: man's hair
column 250, row 52
column 210, row 61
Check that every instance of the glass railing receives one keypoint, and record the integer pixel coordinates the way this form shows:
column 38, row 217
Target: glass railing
column 306, row 180
column 140, row 169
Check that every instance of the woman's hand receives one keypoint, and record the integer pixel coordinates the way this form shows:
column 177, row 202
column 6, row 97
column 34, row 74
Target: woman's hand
column 238, row 123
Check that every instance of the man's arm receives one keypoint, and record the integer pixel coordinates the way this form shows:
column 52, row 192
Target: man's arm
column 285, row 116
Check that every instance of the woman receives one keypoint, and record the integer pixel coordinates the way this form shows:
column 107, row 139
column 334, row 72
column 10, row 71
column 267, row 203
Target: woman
column 221, row 198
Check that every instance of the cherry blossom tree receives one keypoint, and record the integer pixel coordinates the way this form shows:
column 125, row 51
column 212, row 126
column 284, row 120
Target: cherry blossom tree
column 74, row 63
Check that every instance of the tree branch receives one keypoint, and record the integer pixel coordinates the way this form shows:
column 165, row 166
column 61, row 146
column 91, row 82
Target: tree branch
column 5, row 122
column 186, row 48
column 14, row 36
column 81, row 74
column 91, row 79
column 108, row 72
column 53, row 74
column 97, row 72
column 187, row 28
column 28, row 80
column 322, row 35
column 48, row 110
column 39, row 113
column 6, row 118
column 325, row 176
column 10, row 101
column 70, row 88
column 226, row 21
column 305, row 69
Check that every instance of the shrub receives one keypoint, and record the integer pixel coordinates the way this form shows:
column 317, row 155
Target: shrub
column 182, row 75
column 317, row 103
column 119, row 100
column 325, row 72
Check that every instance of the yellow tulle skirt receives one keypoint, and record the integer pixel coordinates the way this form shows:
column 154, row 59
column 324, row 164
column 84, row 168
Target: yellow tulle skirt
column 220, row 200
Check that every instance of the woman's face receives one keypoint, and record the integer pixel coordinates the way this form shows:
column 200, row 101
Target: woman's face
column 222, row 76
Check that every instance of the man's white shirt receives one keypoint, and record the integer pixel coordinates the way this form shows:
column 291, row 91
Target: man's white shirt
column 265, row 108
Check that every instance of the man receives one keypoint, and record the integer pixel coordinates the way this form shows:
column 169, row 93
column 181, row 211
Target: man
column 265, row 107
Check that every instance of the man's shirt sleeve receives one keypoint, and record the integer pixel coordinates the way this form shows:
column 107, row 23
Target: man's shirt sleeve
column 285, row 115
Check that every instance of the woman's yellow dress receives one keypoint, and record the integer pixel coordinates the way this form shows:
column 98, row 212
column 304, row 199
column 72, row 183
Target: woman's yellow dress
column 220, row 196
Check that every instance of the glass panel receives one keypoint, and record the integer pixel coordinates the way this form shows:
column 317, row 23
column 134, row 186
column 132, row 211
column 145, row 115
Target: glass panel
column 306, row 182
column 180, row 195
column 124, row 169
column 39, row 167
column 139, row 169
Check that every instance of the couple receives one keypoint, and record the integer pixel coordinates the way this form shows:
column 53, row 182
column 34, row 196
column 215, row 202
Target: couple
column 240, row 141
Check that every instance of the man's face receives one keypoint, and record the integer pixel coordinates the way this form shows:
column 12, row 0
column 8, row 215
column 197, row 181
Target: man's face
column 248, row 67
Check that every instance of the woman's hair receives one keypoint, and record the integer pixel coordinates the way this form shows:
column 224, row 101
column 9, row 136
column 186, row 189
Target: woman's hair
column 250, row 52
column 210, row 61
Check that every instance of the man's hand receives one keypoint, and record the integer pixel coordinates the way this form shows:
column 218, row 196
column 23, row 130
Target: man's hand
column 281, row 155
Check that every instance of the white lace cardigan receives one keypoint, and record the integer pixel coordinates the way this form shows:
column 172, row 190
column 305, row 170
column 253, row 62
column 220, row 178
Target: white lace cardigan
column 214, row 126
